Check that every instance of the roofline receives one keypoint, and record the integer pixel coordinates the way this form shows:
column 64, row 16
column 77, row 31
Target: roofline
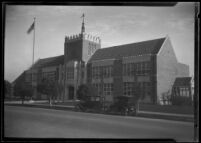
column 14, row 81
column 122, row 58
column 51, row 57
column 100, row 60
column 34, row 64
column 133, row 43
column 43, row 59
column 124, row 45
column 166, row 38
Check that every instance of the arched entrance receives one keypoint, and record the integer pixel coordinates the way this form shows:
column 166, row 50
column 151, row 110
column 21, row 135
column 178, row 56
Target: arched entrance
column 71, row 92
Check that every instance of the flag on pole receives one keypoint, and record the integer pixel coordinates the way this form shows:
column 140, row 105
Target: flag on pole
column 82, row 15
column 30, row 28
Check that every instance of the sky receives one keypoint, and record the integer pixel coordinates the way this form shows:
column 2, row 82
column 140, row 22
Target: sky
column 115, row 25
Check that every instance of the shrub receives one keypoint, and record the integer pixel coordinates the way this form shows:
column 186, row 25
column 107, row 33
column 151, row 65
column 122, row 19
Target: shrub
column 23, row 90
column 120, row 105
column 89, row 106
column 181, row 101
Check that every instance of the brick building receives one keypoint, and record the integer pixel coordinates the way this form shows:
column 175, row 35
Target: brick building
column 183, row 87
column 113, row 71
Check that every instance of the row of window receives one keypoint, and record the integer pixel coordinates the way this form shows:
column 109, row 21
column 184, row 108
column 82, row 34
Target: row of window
column 28, row 77
column 142, row 68
column 181, row 91
column 129, row 88
column 106, row 90
column 49, row 75
column 98, row 72
column 129, row 69
column 102, row 71
column 133, row 88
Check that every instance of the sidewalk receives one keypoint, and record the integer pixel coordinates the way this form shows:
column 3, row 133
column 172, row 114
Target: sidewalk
column 26, row 102
column 166, row 114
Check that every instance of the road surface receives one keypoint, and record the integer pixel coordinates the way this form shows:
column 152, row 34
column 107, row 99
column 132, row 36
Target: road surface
column 48, row 123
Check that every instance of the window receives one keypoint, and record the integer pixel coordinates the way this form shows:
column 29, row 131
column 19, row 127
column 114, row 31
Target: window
column 70, row 73
column 62, row 74
column 132, row 69
column 107, row 89
column 184, row 91
column 102, row 71
column 147, row 67
column 28, row 77
column 98, row 88
column 107, row 71
column 35, row 76
column 124, row 69
column 49, row 75
column 82, row 74
column 128, row 88
column 128, row 69
column 95, row 72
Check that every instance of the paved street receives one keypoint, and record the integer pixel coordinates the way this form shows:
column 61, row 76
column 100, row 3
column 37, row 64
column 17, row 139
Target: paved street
column 38, row 122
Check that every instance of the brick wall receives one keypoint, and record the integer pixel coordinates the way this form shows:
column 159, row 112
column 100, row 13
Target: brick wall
column 118, row 78
column 73, row 50
column 153, row 79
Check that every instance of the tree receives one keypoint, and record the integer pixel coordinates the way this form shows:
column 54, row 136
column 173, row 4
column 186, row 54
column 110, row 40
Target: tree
column 181, row 101
column 7, row 88
column 50, row 88
column 23, row 90
column 84, row 93
column 166, row 97
column 120, row 105
column 124, row 103
column 59, row 89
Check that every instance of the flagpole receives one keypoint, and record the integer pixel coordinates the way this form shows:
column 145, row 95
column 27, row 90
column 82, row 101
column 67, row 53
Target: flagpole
column 33, row 55
column 33, row 41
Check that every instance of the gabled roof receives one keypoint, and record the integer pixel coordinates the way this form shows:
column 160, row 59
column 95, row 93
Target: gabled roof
column 182, row 81
column 19, row 78
column 133, row 49
column 52, row 61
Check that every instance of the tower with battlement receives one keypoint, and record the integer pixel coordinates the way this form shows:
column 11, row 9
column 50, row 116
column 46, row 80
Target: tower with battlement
column 80, row 47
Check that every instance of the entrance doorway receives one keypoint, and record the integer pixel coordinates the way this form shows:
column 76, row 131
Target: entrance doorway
column 71, row 92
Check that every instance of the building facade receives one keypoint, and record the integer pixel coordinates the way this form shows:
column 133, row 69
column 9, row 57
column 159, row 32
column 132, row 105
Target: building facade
column 113, row 71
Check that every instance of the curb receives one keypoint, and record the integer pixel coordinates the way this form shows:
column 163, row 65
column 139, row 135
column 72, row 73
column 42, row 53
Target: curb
column 145, row 115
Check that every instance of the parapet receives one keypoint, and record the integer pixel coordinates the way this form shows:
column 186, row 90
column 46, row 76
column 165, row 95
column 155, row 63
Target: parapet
column 83, row 36
column 92, row 38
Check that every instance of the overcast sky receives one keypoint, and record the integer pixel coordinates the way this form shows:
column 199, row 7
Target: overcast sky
column 114, row 25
